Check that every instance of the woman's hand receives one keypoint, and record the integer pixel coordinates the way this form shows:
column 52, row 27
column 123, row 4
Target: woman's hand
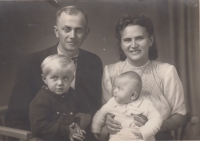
column 112, row 125
column 141, row 120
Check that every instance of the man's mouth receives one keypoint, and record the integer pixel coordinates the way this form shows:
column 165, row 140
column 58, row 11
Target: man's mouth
column 72, row 43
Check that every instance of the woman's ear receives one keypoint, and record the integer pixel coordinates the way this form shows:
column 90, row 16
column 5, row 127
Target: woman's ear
column 151, row 40
column 44, row 78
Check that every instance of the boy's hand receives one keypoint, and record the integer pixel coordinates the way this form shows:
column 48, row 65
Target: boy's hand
column 79, row 130
column 76, row 132
column 85, row 119
column 97, row 136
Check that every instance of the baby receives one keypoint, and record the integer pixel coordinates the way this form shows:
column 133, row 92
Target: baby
column 125, row 104
column 53, row 108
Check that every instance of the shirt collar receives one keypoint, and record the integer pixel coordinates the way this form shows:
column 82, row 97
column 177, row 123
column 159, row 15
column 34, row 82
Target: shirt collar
column 59, row 52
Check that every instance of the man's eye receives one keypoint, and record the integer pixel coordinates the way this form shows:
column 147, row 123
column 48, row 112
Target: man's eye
column 66, row 29
column 79, row 30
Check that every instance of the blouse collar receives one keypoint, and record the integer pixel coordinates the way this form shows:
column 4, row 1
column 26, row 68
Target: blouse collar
column 126, row 61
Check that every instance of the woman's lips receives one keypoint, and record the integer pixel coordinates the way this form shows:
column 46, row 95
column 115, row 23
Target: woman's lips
column 135, row 51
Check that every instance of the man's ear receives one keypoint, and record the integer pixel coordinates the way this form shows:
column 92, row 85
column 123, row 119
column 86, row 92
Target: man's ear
column 86, row 33
column 44, row 78
column 134, row 95
column 56, row 31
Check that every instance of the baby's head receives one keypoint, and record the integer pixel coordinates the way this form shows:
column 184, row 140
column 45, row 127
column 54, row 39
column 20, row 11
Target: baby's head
column 127, row 87
column 57, row 73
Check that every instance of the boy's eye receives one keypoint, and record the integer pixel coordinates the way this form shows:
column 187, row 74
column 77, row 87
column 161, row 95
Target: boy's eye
column 65, row 78
column 54, row 78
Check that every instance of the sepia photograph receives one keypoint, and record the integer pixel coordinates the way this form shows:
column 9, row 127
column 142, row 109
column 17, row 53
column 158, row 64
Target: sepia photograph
column 99, row 70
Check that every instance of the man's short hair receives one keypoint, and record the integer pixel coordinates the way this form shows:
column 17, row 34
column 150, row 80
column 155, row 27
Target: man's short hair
column 71, row 10
column 57, row 61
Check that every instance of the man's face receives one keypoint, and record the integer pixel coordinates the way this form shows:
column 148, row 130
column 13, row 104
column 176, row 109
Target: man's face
column 71, row 31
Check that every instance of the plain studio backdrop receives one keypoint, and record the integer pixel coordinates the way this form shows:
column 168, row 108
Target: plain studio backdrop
column 27, row 26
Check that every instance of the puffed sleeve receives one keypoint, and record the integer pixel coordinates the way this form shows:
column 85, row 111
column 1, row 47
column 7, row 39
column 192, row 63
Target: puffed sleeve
column 106, row 85
column 173, row 91
column 100, row 116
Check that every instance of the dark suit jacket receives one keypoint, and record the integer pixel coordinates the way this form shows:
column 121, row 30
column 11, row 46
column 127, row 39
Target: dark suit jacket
column 28, row 82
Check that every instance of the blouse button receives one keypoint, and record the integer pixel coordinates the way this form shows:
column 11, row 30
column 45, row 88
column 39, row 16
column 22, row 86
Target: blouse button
column 57, row 113
column 64, row 114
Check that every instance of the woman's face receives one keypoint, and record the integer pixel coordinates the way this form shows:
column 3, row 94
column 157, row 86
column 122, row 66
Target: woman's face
column 135, row 42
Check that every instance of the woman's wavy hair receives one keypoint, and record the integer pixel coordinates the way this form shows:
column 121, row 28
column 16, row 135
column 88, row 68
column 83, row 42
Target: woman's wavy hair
column 140, row 20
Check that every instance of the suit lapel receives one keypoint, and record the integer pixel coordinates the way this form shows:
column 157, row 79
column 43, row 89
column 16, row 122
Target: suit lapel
column 81, row 66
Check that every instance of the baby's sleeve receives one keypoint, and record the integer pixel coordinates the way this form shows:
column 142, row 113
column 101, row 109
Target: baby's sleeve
column 100, row 116
column 153, row 124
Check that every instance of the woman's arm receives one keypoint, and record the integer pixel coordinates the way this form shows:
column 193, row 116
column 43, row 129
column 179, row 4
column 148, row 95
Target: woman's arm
column 173, row 122
column 174, row 94
column 106, row 85
column 112, row 125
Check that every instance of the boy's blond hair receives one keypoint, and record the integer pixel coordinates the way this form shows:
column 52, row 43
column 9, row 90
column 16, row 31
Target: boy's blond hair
column 57, row 61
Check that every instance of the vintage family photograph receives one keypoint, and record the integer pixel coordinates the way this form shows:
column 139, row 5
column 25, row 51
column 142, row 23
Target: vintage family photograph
column 99, row 70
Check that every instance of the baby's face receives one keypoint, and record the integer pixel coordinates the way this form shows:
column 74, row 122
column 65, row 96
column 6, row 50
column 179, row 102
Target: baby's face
column 58, row 81
column 123, row 90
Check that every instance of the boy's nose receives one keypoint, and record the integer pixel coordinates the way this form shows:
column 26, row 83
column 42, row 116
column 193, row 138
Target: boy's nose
column 60, row 82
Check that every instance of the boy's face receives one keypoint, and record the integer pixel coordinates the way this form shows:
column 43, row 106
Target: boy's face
column 58, row 81
column 123, row 90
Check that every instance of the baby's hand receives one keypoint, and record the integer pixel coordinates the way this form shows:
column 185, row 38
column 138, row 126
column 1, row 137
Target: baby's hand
column 133, row 111
column 137, row 133
column 76, row 132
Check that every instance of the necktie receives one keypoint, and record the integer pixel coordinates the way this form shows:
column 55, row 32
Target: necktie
column 75, row 60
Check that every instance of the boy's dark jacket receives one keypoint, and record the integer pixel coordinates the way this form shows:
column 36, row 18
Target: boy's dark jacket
column 28, row 82
column 51, row 114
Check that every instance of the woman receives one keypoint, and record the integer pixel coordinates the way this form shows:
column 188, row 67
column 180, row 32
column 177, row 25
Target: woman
column 161, row 84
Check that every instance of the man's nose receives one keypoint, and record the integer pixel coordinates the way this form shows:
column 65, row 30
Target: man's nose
column 72, row 34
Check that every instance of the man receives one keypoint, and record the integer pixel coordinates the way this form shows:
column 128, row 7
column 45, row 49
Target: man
column 71, row 29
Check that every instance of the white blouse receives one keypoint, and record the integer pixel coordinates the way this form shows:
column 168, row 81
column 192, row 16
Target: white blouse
column 160, row 84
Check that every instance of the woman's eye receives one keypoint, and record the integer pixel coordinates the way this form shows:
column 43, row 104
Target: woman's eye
column 139, row 38
column 127, row 40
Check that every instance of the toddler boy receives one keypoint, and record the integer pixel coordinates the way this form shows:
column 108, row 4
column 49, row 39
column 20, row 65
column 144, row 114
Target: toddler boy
column 53, row 108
